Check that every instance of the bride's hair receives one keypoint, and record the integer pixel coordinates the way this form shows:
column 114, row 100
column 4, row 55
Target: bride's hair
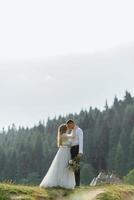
column 61, row 129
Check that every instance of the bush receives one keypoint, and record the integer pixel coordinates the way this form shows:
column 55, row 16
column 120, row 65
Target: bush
column 129, row 178
column 87, row 173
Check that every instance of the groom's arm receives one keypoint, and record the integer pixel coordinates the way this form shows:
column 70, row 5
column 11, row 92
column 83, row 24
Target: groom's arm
column 80, row 136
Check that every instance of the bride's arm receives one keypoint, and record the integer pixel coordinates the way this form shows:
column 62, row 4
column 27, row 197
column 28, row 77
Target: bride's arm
column 70, row 136
column 65, row 136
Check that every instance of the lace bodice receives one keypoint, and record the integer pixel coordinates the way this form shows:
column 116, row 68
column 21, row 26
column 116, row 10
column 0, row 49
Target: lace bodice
column 67, row 141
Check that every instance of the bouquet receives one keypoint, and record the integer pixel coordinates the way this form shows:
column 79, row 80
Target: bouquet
column 74, row 164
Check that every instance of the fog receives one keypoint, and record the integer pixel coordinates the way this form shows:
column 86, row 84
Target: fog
column 33, row 91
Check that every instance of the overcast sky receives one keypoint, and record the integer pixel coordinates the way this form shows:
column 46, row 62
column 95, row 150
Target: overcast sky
column 57, row 57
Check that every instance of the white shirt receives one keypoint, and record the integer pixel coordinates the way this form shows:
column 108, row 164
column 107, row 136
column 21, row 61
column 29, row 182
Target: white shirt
column 78, row 139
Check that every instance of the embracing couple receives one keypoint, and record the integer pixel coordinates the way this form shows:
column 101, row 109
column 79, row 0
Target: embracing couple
column 70, row 143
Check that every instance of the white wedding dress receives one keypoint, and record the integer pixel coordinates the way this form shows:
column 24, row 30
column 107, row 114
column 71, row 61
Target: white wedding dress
column 58, row 174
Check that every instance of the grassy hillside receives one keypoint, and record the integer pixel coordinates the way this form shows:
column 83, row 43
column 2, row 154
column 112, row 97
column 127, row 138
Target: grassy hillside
column 15, row 192
column 117, row 192
column 12, row 191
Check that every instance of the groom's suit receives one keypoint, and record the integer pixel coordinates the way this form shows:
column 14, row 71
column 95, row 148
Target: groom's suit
column 77, row 147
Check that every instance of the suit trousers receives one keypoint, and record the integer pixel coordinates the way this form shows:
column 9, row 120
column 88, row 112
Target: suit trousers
column 74, row 153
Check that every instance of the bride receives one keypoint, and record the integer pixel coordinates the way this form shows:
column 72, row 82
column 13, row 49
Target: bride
column 58, row 174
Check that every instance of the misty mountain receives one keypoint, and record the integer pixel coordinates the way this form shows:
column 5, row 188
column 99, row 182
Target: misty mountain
column 32, row 91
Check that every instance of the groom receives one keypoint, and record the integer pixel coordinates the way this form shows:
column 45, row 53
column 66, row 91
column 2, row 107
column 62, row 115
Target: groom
column 77, row 146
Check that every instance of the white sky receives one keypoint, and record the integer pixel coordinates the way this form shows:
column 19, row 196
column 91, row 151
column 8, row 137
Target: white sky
column 57, row 57
column 34, row 30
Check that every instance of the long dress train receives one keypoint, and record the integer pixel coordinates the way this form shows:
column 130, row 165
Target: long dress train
column 58, row 174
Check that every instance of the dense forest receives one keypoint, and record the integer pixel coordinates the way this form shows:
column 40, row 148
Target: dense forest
column 26, row 153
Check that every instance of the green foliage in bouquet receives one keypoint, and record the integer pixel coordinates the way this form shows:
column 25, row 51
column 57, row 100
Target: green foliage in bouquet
column 74, row 164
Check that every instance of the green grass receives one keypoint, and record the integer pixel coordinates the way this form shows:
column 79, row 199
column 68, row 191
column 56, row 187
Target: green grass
column 13, row 191
column 9, row 191
column 117, row 192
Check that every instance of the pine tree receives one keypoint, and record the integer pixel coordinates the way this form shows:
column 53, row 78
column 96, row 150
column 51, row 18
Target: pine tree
column 131, row 152
column 119, row 160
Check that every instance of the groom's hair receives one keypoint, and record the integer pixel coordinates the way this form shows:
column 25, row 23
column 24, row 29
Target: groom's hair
column 70, row 121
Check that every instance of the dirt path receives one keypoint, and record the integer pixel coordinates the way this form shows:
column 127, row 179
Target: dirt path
column 86, row 195
column 79, row 195
column 93, row 194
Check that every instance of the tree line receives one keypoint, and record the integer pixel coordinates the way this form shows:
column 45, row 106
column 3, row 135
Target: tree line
column 26, row 153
